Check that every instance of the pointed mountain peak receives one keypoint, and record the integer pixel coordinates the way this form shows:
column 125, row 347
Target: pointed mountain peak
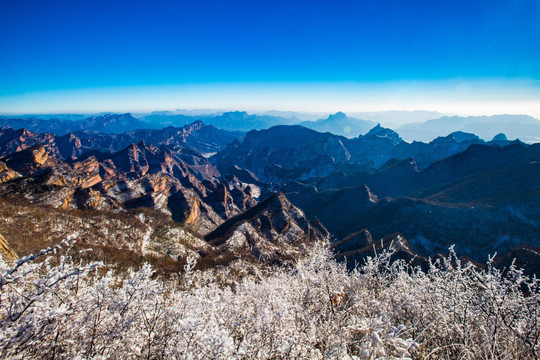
column 381, row 132
column 375, row 130
column 338, row 115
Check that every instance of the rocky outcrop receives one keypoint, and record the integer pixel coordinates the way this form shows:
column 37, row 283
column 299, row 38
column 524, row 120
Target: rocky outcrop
column 28, row 160
column 88, row 171
column 273, row 229
column 6, row 251
column 7, row 174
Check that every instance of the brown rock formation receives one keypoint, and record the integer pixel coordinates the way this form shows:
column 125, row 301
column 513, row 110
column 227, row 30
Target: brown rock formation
column 273, row 229
column 6, row 251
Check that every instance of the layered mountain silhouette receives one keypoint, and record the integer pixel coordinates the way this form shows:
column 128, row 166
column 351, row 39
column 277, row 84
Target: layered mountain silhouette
column 521, row 127
column 108, row 123
column 419, row 125
column 465, row 191
column 231, row 121
column 287, row 153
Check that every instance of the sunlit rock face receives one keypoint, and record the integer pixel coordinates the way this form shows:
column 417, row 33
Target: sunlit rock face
column 6, row 251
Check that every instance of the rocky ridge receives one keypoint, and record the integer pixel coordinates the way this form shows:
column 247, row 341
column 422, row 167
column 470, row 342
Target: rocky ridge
column 6, row 251
column 269, row 230
column 197, row 137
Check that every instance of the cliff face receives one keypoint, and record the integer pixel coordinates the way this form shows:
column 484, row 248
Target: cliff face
column 6, row 173
column 6, row 252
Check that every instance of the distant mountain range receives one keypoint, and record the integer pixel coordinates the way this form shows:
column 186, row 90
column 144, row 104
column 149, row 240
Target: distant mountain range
column 395, row 118
column 522, row 127
column 197, row 137
column 109, row 123
column 231, row 121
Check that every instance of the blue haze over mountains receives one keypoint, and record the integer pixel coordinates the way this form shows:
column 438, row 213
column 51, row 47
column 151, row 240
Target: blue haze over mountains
column 430, row 125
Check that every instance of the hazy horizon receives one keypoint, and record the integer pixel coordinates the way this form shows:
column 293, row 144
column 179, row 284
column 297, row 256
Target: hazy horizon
column 448, row 97
column 479, row 58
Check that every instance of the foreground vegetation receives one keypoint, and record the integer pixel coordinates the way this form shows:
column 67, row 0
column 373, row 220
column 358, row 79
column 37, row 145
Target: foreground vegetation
column 57, row 308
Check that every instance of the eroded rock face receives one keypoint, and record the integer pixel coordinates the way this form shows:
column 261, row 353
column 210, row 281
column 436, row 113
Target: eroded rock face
column 6, row 251
column 16, row 140
column 273, row 229
column 7, row 174
column 29, row 160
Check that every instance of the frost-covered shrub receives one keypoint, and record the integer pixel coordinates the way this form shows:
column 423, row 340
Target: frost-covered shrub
column 318, row 309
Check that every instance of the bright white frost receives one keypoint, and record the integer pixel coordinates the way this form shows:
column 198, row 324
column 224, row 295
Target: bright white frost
column 316, row 310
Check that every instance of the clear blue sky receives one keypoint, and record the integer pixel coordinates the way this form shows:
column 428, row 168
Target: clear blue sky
column 99, row 54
